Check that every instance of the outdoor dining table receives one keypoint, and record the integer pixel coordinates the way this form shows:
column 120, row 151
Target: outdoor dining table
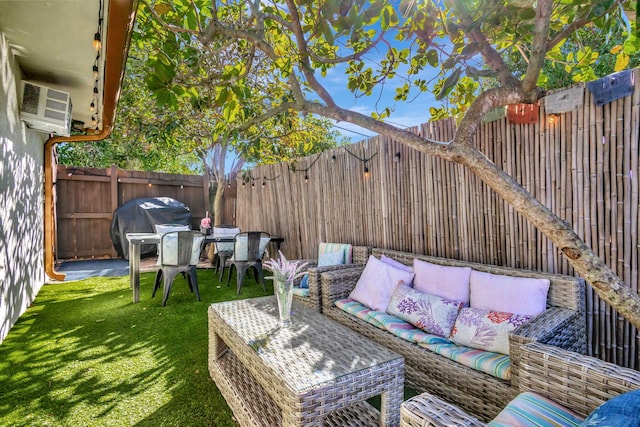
column 137, row 239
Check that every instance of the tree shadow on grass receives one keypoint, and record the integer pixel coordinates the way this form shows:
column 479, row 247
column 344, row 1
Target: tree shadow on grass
column 83, row 354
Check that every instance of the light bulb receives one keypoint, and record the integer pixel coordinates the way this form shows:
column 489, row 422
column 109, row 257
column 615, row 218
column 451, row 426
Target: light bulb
column 97, row 42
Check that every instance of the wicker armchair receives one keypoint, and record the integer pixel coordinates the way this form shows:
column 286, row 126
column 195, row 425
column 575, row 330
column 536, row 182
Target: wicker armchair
column 577, row 382
column 313, row 300
column 562, row 325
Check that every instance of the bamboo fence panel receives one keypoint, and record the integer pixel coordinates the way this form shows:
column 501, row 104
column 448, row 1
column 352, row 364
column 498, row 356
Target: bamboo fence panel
column 583, row 165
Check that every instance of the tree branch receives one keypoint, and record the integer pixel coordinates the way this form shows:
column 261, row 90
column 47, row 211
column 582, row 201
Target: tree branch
column 166, row 25
column 305, row 65
column 538, row 49
column 355, row 56
column 491, row 56
column 575, row 26
column 486, row 102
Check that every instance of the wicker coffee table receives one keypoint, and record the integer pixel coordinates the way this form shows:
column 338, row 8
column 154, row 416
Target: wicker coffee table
column 315, row 372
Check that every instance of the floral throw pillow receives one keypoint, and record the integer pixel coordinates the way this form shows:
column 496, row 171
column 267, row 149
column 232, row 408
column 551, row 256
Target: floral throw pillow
column 485, row 329
column 430, row 313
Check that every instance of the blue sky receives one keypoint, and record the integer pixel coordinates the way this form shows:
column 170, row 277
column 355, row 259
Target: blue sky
column 404, row 114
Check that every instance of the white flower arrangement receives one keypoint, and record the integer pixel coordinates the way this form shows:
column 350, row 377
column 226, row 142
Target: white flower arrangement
column 283, row 269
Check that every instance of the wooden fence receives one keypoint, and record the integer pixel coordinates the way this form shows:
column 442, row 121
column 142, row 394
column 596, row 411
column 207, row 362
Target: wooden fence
column 87, row 197
column 583, row 165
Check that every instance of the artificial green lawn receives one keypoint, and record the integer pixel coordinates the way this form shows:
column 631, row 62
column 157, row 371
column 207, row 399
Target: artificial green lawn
column 84, row 355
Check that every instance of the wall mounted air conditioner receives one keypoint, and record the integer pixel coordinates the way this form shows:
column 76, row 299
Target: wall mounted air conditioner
column 46, row 110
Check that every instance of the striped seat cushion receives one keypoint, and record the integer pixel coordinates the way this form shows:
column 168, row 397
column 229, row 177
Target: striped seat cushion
column 532, row 410
column 495, row 364
column 498, row 365
column 301, row 292
column 389, row 323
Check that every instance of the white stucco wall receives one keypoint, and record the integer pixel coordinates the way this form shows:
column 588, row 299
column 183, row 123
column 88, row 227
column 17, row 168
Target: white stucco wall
column 21, row 200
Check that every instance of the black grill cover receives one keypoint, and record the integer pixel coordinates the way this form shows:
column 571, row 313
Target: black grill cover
column 140, row 216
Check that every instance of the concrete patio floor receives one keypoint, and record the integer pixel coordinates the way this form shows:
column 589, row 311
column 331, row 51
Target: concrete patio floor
column 82, row 269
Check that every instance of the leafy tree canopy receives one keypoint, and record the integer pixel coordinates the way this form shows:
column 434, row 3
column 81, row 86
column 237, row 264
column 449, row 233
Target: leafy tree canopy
column 265, row 59
column 181, row 138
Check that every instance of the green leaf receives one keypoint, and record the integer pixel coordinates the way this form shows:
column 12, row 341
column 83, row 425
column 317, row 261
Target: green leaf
column 327, row 32
column 487, row 73
column 190, row 20
column 167, row 98
column 165, row 72
column 470, row 49
column 449, row 84
column 622, row 60
column 374, row 9
column 154, row 83
column 432, row 57
column 528, row 13
column 450, row 62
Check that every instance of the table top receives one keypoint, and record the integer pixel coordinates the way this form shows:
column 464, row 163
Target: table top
column 313, row 351
column 143, row 237
column 155, row 238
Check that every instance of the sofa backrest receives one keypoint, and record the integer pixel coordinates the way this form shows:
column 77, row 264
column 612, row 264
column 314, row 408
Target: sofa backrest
column 361, row 254
column 564, row 291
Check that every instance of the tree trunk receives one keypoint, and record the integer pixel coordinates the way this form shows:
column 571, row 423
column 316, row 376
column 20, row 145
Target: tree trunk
column 217, row 202
column 217, row 213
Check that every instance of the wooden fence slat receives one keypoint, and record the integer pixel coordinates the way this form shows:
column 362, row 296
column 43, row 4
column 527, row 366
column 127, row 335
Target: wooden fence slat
column 87, row 198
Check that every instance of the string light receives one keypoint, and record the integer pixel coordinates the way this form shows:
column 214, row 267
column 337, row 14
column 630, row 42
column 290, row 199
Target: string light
column 363, row 160
column 97, row 42
column 305, row 170
column 265, row 179
column 97, row 37
column 97, row 45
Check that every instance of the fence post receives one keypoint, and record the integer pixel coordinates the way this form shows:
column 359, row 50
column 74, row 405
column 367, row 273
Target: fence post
column 205, row 189
column 114, row 197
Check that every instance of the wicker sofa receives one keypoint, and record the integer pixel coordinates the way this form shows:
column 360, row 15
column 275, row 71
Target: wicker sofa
column 483, row 395
column 574, row 381
column 310, row 297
